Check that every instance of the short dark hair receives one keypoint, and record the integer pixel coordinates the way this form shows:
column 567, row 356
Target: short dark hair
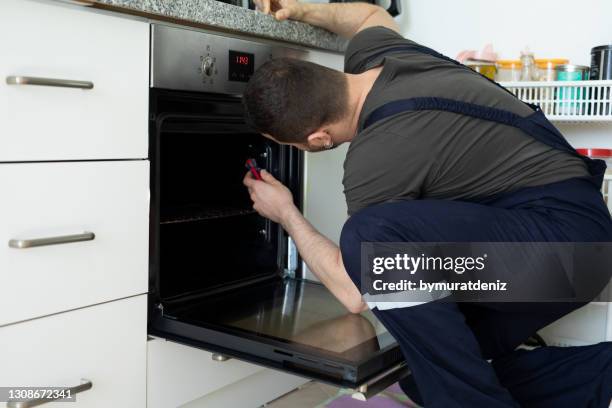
column 289, row 98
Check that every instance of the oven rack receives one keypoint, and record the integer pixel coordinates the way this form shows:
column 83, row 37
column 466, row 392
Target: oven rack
column 567, row 101
column 186, row 214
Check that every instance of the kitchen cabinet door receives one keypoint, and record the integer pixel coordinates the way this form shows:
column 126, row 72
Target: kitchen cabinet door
column 82, row 49
column 98, row 211
column 103, row 344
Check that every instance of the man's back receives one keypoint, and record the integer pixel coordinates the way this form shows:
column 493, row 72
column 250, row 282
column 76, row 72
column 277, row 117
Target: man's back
column 438, row 154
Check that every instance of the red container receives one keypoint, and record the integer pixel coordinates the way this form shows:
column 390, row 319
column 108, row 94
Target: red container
column 603, row 154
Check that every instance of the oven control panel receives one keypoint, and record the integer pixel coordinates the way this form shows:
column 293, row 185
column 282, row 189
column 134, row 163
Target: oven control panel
column 190, row 60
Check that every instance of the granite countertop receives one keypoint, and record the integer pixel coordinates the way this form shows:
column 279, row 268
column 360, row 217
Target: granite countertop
column 217, row 15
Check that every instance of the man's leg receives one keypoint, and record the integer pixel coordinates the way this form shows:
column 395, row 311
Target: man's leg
column 441, row 348
column 559, row 377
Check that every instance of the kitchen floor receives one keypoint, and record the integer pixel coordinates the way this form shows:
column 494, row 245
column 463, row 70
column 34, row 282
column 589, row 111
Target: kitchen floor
column 316, row 395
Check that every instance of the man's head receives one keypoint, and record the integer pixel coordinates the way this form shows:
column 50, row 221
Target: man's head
column 293, row 102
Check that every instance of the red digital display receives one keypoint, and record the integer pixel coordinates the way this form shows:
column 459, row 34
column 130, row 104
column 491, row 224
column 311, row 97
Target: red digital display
column 241, row 66
column 242, row 59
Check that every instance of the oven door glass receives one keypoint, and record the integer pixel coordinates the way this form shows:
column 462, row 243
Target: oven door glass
column 292, row 325
column 217, row 278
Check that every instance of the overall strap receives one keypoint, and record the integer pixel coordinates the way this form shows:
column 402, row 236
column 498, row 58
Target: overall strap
column 442, row 104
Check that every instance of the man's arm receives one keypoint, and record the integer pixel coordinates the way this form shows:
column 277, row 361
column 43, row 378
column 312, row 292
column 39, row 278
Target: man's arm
column 345, row 19
column 324, row 259
column 273, row 200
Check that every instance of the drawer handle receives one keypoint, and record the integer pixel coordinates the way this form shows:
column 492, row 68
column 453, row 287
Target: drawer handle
column 62, row 83
column 84, row 386
column 64, row 239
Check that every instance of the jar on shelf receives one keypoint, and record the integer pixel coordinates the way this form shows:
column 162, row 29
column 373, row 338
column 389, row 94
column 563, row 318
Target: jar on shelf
column 571, row 100
column 508, row 70
column 529, row 71
column 486, row 68
column 546, row 68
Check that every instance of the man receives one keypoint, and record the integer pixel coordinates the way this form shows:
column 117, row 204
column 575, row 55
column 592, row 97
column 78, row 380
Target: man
column 438, row 154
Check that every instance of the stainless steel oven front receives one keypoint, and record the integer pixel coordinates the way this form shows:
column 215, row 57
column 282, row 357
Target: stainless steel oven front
column 222, row 278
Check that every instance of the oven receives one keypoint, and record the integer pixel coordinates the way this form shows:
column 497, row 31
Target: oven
column 223, row 278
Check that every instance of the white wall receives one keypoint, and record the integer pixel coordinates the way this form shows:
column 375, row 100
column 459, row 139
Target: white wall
column 551, row 29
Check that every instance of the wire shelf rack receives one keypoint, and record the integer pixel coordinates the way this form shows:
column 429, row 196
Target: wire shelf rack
column 568, row 101
column 194, row 213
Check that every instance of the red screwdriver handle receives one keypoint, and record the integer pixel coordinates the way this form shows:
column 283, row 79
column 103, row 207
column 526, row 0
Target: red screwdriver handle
column 251, row 164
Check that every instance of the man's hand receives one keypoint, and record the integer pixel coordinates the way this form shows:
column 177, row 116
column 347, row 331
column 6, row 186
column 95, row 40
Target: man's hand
column 281, row 9
column 345, row 19
column 271, row 199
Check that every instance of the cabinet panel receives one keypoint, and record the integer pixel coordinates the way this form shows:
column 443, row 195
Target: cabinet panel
column 104, row 344
column 39, row 123
column 43, row 200
column 178, row 374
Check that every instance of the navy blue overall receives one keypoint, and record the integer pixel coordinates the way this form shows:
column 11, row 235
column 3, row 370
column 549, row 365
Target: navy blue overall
column 447, row 345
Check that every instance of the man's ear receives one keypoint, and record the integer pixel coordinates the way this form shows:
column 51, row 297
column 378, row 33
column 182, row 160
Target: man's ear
column 319, row 140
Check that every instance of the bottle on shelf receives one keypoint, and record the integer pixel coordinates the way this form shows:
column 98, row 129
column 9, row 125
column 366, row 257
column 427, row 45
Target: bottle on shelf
column 529, row 70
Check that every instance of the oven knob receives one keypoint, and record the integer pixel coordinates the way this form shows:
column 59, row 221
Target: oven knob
column 208, row 65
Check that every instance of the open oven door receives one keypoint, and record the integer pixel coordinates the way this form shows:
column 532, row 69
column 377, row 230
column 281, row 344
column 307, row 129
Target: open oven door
column 292, row 325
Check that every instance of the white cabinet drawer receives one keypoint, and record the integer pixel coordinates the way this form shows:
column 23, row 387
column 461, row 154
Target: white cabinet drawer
column 40, row 200
column 177, row 374
column 105, row 344
column 51, row 40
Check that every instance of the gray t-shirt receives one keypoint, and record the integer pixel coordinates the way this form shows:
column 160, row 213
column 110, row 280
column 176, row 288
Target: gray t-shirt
column 436, row 154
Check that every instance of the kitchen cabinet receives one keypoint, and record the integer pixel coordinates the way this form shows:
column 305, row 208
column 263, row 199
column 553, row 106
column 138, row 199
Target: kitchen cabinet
column 103, row 344
column 44, row 41
column 75, row 201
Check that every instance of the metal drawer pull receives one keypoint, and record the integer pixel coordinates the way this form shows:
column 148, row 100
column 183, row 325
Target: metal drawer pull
column 220, row 357
column 62, row 83
column 64, row 239
column 84, row 386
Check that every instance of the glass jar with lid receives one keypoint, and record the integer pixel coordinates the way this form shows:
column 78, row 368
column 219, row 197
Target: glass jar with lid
column 508, row 70
column 546, row 68
column 484, row 67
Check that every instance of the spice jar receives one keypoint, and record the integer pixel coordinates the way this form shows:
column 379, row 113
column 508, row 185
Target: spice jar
column 601, row 62
column 508, row 70
column 486, row 68
column 546, row 68
column 529, row 71
column 570, row 100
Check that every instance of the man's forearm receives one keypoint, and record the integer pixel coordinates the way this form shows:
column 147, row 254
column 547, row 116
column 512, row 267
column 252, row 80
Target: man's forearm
column 324, row 259
column 345, row 19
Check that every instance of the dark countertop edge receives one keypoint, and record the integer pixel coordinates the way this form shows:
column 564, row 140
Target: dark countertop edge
column 189, row 23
